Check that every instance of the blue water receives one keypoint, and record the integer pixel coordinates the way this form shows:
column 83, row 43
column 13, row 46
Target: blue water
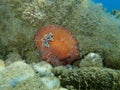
column 109, row 4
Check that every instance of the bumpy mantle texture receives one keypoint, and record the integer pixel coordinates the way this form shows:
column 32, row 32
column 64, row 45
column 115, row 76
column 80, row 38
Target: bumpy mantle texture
column 56, row 45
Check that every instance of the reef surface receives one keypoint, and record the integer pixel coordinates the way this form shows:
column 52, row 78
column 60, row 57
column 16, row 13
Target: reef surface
column 95, row 30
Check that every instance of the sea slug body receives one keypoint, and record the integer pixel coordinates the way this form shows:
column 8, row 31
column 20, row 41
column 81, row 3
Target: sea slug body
column 56, row 45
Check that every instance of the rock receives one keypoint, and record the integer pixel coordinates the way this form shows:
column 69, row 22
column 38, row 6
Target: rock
column 33, row 83
column 43, row 68
column 51, row 82
column 15, row 73
column 2, row 64
column 12, row 57
column 61, row 89
column 38, row 83
column 7, row 88
column 92, row 60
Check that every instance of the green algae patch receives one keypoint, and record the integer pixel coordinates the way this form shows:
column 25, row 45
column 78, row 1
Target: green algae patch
column 92, row 78
column 15, row 35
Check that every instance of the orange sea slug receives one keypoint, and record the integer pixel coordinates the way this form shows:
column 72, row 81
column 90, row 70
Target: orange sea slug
column 56, row 45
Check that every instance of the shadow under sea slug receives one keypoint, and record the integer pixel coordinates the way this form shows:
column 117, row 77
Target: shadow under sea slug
column 56, row 45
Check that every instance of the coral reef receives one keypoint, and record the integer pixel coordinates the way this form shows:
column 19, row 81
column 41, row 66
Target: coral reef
column 15, row 36
column 91, row 78
column 35, row 14
column 95, row 31
column 56, row 45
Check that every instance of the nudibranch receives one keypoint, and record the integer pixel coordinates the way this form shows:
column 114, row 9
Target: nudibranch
column 56, row 45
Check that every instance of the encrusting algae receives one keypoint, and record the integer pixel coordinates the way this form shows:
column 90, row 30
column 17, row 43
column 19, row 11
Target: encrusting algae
column 56, row 45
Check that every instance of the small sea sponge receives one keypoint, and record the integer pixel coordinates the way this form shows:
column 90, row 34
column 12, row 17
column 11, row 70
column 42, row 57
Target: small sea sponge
column 56, row 45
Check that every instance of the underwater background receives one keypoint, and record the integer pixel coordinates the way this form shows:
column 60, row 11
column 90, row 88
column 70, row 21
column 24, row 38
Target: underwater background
column 109, row 4
column 95, row 29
